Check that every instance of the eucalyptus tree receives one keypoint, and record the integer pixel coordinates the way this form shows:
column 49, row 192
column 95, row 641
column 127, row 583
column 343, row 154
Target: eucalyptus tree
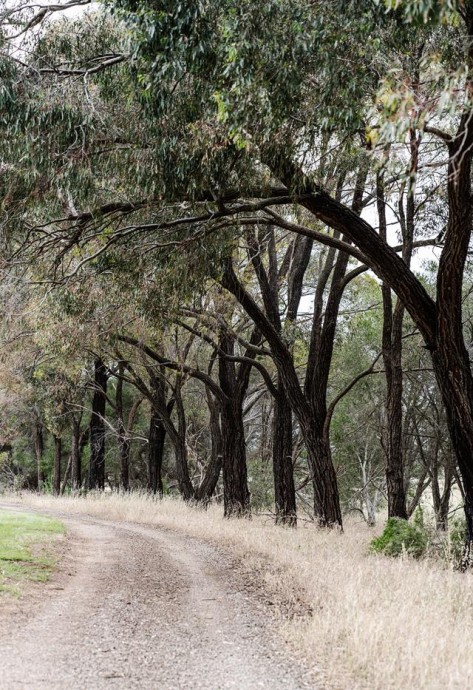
column 246, row 90
column 243, row 98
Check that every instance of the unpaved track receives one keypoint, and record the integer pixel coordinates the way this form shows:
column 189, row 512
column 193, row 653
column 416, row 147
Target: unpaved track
column 139, row 607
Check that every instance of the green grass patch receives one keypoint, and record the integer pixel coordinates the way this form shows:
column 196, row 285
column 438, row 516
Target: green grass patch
column 25, row 549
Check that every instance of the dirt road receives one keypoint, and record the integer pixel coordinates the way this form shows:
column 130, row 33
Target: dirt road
column 138, row 607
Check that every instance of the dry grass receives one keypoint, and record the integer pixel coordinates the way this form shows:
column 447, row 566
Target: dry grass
column 377, row 623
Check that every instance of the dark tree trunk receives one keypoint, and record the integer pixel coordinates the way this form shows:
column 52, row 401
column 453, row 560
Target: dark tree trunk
column 180, row 445
column 182, row 469
column 392, row 435
column 177, row 435
column 236, row 496
column 392, row 346
column 453, row 374
column 284, row 489
column 97, row 428
column 319, row 455
column 323, row 477
column 157, row 436
column 76, row 465
column 209, row 483
column 57, row 465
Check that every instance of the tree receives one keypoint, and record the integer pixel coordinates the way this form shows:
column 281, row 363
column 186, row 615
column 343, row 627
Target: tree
column 236, row 86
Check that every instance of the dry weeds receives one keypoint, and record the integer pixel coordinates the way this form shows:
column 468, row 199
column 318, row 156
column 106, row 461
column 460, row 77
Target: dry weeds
column 376, row 623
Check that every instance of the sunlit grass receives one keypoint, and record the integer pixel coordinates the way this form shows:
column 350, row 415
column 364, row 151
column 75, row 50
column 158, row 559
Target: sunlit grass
column 24, row 552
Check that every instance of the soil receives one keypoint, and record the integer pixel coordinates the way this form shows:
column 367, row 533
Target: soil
column 139, row 607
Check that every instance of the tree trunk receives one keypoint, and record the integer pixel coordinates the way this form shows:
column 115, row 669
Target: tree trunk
column 236, row 496
column 97, row 428
column 38, row 451
column 156, row 438
column 76, row 465
column 453, row 374
column 208, row 485
column 66, row 477
column 442, row 501
column 392, row 435
column 326, row 497
column 124, row 461
column 57, row 465
column 327, row 508
column 284, row 489
column 180, row 445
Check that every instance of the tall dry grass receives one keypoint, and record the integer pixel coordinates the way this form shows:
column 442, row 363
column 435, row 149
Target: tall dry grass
column 377, row 623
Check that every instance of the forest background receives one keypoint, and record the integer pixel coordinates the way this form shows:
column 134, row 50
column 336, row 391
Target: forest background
column 215, row 281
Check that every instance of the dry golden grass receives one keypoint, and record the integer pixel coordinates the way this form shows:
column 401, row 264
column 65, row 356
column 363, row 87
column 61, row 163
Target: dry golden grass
column 377, row 623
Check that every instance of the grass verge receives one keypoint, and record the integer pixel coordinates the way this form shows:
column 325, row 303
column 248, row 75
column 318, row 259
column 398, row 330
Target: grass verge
column 25, row 553
column 377, row 623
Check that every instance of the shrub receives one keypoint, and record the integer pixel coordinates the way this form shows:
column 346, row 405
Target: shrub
column 400, row 536
column 456, row 541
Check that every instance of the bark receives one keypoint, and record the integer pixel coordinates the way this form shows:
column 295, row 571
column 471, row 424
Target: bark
column 327, row 508
column 38, row 451
column 97, row 428
column 441, row 499
column 180, row 445
column 156, row 438
column 392, row 359
column 76, row 464
column 284, row 489
column 209, row 483
column 123, row 441
column 176, row 434
column 236, row 496
column 66, row 477
column 57, row 465
column 124, row 430
column 309, row 405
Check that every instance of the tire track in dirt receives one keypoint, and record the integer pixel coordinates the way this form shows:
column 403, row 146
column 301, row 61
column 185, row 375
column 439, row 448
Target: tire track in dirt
column 139, row 607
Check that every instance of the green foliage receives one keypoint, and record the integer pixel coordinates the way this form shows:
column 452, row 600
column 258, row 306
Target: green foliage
column 456, row 541
column 423, row 11
column 400, row 536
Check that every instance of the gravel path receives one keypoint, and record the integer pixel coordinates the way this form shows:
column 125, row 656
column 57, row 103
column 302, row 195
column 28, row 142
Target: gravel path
column 138, row 607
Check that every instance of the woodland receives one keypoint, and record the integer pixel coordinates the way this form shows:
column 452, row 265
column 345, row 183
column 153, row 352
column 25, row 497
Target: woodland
column 235, row 254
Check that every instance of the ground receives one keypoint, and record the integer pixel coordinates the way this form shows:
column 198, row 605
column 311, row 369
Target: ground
column 144, row 607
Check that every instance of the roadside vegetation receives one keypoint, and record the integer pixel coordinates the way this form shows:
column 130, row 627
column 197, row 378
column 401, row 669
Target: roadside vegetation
column 26, row 549
column 363, row 620
column 236, row 269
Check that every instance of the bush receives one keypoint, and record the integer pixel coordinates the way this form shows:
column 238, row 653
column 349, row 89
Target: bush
column 456, row 542
column 400, row 536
